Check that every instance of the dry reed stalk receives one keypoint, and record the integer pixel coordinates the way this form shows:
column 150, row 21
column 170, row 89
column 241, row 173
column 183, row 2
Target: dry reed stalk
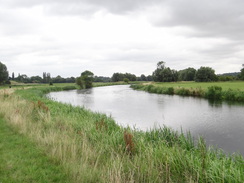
column 128, row 138
column 42, row 106
column 101, row 125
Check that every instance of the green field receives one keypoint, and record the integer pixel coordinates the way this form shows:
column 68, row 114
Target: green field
column 78, row 145
column 234, row 85
column 229, row 91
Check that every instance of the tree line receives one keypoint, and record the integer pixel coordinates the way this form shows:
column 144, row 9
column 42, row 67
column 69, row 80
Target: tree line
column 23, row 78
column 203, row 74
column 46, row 78
column 160, row 74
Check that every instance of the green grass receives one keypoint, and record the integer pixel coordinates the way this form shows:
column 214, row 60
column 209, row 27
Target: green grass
column 93, row 148
column 22, row 161
column 234, row 85
column 229, row 91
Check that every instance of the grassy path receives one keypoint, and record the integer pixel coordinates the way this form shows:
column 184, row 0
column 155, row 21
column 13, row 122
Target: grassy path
column 22, row 161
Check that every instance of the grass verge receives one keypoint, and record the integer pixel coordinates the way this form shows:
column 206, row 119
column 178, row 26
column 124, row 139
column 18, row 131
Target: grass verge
column 91, row 147
column 22, row 161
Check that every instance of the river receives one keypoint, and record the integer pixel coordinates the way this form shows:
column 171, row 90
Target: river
column 221, row 124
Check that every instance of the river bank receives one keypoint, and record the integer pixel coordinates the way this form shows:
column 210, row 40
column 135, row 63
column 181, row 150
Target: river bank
column 91, row 147
column 228, row 91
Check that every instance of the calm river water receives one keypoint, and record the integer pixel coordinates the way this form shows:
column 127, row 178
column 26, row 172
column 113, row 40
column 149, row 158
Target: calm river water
column 220, row 124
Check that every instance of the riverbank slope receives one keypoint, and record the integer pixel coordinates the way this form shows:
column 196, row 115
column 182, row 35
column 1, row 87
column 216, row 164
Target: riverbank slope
column 91, row 147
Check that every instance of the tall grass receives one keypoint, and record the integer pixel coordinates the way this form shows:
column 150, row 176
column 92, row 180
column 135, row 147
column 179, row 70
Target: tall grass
column 212, row 92
column 91, row 147
column 23, row 161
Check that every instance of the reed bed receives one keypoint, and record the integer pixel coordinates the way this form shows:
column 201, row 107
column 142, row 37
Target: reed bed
column 91, row 147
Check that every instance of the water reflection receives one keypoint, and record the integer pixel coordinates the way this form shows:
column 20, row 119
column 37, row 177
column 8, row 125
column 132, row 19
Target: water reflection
column 85, row 97
column 219, row 123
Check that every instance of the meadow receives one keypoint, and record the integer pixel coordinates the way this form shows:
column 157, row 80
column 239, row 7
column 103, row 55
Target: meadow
column 78, row 145
column 234, row 85
column 229, row 91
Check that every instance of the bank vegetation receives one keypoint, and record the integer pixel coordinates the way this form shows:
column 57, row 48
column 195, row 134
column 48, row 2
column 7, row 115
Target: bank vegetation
column 91, row 147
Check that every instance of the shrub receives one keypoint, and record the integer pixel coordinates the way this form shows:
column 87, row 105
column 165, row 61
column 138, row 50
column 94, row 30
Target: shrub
column 183, row 91
column 214, row 93
column 69, row 88
column 170, row 90
column 198, row 92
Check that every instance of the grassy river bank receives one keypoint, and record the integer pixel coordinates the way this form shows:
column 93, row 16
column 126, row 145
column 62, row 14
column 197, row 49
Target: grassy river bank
column 228, row 91
column 76, row 145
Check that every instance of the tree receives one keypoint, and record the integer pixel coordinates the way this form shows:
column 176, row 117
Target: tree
column 205, row 74
column 242, row 74
column 143, row 77
column 48, row 77
column 35, row 79
column 59, row 79
column 120, row 77
column 85, row 80
column 164, row 74
column 44, row 77
column 117, row 77
column 130, row 76
column 149, row 78
column 3, row 73
column 126, row 80
column 102, row 79
column 187, row 74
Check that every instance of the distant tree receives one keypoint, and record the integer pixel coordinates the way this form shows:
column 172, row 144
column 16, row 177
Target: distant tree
column 126, row 80
column 102, row 79
column 157, row 74
column 70, row 80
column 13, row 76
column 85, row 80
column 164, row 74
column 130, row 76
column 3, row 73
column 242, row 74
column 117, row 77
column 120, row 77
column 44, row 77
column 143, row 77
column 226, row 78
column 79, row 82
column 205, row 74
column 149, row 78
column 48, row 77
column 35, row 79
column 58, row 79
column 23, row 78
column 187, row 74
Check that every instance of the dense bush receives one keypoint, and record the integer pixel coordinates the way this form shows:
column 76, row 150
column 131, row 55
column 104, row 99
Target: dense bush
column 233, row 95
column 183, row 92
column 214, row 92
column 170, row 90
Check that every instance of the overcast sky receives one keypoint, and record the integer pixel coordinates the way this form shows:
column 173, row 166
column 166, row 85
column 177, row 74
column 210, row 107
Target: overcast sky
column 67, row 37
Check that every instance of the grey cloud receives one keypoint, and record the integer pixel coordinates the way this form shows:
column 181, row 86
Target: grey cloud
column 76, row 7
column 12, row 22
column 220, row 18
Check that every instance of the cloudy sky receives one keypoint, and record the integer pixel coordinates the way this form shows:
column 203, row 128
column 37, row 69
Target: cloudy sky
column 66, row 37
